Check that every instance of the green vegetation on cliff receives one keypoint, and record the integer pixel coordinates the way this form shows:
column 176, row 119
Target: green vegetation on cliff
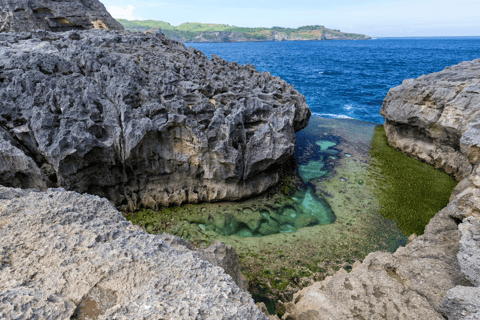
column 209, row 32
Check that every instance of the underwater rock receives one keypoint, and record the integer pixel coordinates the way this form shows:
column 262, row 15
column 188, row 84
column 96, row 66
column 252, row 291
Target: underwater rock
column 140, row 119
column 58, row 15
column 435, row 118
column 69, row 256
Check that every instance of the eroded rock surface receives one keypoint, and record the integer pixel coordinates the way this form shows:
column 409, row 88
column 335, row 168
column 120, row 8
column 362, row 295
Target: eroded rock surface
column 69, row 256
column 58, row 15
column 140, row 119
column 436, row 118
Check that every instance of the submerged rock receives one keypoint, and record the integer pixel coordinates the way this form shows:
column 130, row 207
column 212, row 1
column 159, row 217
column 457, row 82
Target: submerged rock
column 58, row 15
column 69, row 256
column 140, row 119
column 435, row 118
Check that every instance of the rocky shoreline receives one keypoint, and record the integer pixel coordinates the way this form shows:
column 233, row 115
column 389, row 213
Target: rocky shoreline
column 145, row 122
column 140, row 119
column 436, row 276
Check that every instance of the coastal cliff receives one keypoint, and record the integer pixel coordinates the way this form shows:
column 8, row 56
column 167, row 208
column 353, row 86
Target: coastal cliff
column 208, row 32
column 140, row 119
column 436, row 275
column 59, row 15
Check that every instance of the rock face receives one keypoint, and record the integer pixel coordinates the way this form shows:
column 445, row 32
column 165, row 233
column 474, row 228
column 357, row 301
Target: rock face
column 140, row 119
column 436, row 118
column 437, row 275
column 218, row 254
column 58, row 15
column 69, row 256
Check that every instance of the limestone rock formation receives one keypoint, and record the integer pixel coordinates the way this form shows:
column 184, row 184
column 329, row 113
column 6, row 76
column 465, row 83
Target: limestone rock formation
column 69, row 256
column 58, row 15
column 435, row 118
column 437, row 275
column 218, row 254
column 140, row 119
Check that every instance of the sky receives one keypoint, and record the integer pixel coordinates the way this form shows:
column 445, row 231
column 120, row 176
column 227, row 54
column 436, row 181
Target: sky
column 377, row 18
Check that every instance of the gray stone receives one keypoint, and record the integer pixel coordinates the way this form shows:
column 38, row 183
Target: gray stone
column 69, row 256
column 436, row 118
column 462, row 303
column 142, row 120
column 469, row 254
column 58, row 15
column 218, row 254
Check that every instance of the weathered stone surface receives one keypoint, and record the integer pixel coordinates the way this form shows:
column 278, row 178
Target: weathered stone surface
column 58, row 15
column 142, row 120
column 462, row 303
column 436, row 118
column 218, row 254
column 69, row 256
column 469, row 255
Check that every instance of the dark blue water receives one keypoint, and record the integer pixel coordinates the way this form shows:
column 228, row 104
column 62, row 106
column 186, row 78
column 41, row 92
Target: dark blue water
column 348, row 78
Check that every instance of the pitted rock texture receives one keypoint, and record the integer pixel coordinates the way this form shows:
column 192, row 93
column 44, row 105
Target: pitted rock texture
column 58, row 15
column 218, row 254
column 462, row 303
column 140, row 119
column 69, row 256
column 436, row 118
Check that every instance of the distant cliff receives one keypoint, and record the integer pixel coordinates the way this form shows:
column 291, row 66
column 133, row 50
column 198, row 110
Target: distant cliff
column 204, row 32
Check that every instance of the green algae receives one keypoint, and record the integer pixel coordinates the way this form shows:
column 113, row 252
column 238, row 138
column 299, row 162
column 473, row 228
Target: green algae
column 411, row 192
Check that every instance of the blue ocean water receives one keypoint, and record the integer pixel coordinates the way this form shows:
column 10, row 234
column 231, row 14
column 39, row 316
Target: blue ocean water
column 348, row 79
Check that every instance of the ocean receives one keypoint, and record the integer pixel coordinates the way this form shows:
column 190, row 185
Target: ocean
column 348, row 79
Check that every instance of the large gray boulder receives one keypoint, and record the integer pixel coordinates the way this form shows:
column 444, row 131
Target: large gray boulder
column 58, row 15
column 140, row 119
column 69, row 256
column 436, row 118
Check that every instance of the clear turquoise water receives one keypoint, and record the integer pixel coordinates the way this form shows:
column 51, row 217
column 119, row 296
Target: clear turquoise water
column 348, row 79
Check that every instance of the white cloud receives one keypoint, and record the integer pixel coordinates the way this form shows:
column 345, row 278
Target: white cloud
column 122, row 12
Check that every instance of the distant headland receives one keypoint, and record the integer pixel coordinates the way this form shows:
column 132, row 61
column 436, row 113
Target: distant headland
column 209, row 32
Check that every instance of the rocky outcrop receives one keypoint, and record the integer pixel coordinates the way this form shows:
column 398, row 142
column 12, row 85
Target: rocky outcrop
column 218, row 254
column 436, row 118
column 437, row 274
column 69, row 256
column 140, row 119
column 58, row 15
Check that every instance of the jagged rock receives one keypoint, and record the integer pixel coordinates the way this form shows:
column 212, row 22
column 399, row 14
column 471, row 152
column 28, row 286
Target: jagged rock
column 469, row 255
column 218, row 254
column 435, row 118
column 140, row 119
column 58, row 15
column 69, row 256
column 462, row 303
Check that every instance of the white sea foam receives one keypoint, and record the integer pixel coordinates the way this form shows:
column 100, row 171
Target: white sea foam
column 329, row 115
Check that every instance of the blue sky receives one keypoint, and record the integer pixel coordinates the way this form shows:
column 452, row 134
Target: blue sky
column 379, row 18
